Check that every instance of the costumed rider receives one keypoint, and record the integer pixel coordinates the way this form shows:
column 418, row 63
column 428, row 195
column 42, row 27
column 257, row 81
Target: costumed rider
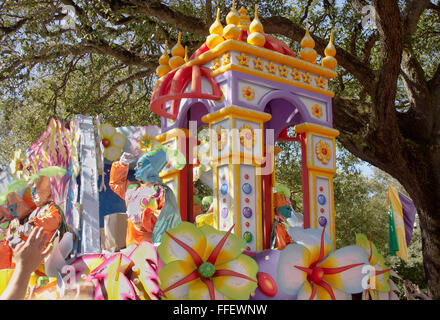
column 13, row 216
column 285, row 217
column 151, row 205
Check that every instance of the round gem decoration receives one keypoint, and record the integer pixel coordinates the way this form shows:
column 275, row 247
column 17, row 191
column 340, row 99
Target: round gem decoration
column 321, row 200
column 267, row 284
column 224, row 189
column 247, row 236
column 322, row 221
column 225, row 213
column 247, row 212
column 247, row 188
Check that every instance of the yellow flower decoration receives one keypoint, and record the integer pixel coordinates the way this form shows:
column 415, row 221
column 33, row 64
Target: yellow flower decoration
column 226, row 59
column 323, row 151
column 271, row 68
column 243, row 59
column 284, row 71
column 204, row 263
column 222, row 137
column 247, row 136
column 259, row 64
column 248, row 93
column 307, row 78
column 215, row 64
column 296, row 75
column 18, row 165
column 379, row 279
column 112, row 141
column 317, row 111
column 321, row 82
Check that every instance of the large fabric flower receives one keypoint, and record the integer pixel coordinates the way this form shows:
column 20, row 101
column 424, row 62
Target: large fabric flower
column 18, row 165
column 204, row 263
column 143, row 140
column 128, row 275
column 379, row 286
column 112, row 141
column 310, row 270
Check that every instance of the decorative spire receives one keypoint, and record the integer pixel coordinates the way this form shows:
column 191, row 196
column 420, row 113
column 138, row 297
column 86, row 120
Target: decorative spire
column 216, row 27
column 216, row 32
column 163, row 67
column 178, row 52
column 330, row 61
column 186, row 54
column 233, row 16
column 245, row 21
column 231, row 31
column 308, row 53
column 256, row 37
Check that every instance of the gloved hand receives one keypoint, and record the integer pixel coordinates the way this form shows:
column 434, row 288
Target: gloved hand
column 127, row 158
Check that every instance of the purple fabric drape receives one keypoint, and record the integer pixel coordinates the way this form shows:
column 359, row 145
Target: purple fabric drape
column 409, row 215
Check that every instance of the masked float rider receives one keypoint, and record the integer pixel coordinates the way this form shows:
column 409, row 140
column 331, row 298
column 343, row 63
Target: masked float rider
column 285, row 217
column 151, row 205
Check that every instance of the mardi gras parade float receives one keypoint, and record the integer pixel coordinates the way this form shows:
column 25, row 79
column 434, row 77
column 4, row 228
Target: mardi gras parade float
column 119, row 204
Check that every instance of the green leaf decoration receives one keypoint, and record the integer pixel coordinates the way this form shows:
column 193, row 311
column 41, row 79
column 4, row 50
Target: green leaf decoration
column 15, row 186
column 283, row 189
column 49, row 172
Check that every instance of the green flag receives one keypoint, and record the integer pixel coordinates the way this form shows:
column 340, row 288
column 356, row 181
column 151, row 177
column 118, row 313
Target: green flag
column 393, row 244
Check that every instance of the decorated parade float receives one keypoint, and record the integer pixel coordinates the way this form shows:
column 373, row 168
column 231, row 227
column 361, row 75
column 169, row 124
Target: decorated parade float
column 128, row 222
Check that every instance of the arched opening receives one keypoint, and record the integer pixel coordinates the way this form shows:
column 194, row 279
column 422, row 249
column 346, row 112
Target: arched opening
column 285, row 115
column 190, row 117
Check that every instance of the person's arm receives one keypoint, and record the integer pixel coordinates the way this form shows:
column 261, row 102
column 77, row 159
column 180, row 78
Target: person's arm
column 28, row 257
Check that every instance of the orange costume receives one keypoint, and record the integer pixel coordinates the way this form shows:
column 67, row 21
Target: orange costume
column 143, row 201
column 5, row 249
column 280, row 237
column 47, row 217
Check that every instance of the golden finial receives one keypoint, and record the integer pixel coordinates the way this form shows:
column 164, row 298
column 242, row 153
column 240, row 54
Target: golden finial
column 216, row 32
column 233, row 16
column 245, row 21
column 163, row 67
column 231, row 31
column 308, row 53
column 186, row 54
column 330, row 52
column 216, row 27
column 178, row 53
column 256, row 37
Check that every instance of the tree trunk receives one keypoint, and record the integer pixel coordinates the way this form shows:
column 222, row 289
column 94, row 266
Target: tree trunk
column 430, row 227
